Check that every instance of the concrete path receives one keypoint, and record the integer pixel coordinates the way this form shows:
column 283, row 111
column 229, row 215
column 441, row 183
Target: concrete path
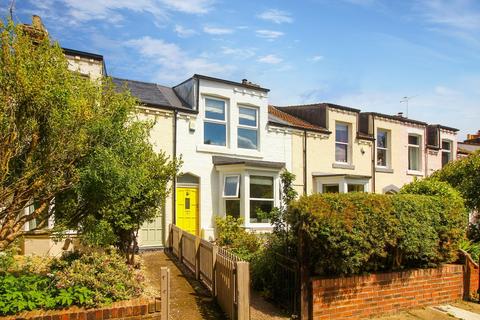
column 189, row 300
column 460, row 310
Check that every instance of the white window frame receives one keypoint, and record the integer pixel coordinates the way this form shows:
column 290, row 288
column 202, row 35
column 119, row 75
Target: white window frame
column 253, row 128
column 237, row 193
column 348, row 143
column 342, row 183
column 449, row 150
column 419, row 146
column 248, row 199
column 387, row 149
column 216, row 121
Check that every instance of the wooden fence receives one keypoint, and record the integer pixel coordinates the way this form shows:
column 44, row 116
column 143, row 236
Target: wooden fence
column 223, row 273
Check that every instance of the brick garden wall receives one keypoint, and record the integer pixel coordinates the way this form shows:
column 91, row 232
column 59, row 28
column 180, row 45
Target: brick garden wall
column 136, row 309
column 363, row 296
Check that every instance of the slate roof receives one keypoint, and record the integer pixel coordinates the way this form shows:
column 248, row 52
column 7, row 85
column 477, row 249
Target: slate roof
column 219, row 160
column 153, row 95
column 278, row 117
column 322, row 105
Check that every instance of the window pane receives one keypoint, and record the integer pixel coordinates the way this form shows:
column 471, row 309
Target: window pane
column 330, row 188
column 247, row 116
column 381, row 139
column 445, row 158
column 341, row 133
column 356, row 188
column 445, row 145
column 231, row 186
column 381, row 157
column 232, row 208
column 341, row 152
column 259, row 206
column 261, row 187
column 215, row 133
column 413, row 140
column 214, row 109
column 247, row 138
column 413, row 159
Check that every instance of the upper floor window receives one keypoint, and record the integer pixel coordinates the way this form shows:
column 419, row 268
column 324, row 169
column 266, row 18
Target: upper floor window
column 261, row 197
column 414, row 152
column 247, row 128
column 342, row 141
column 215, row 122
column 446, row 152
column 382, row 148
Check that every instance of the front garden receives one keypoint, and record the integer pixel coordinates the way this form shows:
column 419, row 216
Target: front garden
column 89, row 279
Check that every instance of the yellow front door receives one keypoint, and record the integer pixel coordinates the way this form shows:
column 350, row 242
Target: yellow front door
column 187, row 209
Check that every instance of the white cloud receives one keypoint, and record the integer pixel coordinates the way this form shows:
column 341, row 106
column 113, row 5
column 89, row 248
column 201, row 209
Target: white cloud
column 183, row 32
column 269, row 34
column 276, row 16
column 78, row 12
column 445, row 91
column 240, row 53
column 189, row 6
column 270, row 59
column 217, row 31
column 317, row 58
column 172, row 63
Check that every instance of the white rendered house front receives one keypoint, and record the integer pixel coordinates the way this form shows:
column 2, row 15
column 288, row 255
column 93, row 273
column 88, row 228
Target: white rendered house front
column 231, row 161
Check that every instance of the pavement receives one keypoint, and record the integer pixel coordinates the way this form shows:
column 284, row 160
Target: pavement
column 459, row 310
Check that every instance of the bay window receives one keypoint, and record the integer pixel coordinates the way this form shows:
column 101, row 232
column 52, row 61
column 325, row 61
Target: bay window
column 261, row 197
column 342, row 141
column 215, row 123
column 382, row 148
column 414, row 152
column 247, row 128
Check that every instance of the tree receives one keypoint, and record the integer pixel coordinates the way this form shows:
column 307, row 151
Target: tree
column 464, row 175
column 51, row 119
column 122, row 185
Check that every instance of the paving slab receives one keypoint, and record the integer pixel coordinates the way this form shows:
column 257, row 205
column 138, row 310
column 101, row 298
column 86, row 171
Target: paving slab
column 458, row 312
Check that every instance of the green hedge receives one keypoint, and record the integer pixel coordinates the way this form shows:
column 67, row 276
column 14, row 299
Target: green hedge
column 359, row 232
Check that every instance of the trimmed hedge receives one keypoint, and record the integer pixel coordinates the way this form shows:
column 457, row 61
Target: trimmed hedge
column 359, row 232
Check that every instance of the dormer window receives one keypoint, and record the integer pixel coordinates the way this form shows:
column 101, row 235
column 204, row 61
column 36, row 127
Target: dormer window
column 215, row 122
column 247, row 128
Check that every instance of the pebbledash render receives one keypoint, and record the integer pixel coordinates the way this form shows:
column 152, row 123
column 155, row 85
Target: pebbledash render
column 234, row 146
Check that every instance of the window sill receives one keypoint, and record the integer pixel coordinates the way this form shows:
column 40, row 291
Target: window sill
column 228, row 151
column 415, row 173
column 383, row 169
column 340, row 165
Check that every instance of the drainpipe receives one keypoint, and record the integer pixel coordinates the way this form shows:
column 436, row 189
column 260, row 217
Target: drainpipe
column 175, row 118
column 305, row 162
column 425, row 150
column 374, row 149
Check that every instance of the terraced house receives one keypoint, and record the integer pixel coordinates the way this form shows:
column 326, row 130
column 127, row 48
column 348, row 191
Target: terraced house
column 234, row 145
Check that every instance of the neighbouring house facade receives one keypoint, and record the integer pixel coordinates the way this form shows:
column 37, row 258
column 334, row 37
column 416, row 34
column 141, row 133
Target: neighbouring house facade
column 469, row 145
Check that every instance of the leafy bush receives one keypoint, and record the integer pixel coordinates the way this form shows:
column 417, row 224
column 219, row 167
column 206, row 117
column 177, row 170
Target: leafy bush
column 106, row 274
column 29, row 292
column 89, row 279
column 231, row 235
column 472, row 248
column 359, row 232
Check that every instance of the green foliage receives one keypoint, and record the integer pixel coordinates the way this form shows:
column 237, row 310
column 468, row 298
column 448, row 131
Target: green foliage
column 31, row 291
column 355, row 233
column 106, row 274
column 89, row 280
column 464, row 175
column 51, row 120
column 472, row 248
column 231, row 235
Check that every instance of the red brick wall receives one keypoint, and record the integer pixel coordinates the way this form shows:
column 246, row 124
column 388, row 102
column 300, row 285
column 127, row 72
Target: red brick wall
column 363, row 296
column 136, row 309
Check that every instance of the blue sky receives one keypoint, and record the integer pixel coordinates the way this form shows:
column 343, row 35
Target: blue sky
column 366, row 54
